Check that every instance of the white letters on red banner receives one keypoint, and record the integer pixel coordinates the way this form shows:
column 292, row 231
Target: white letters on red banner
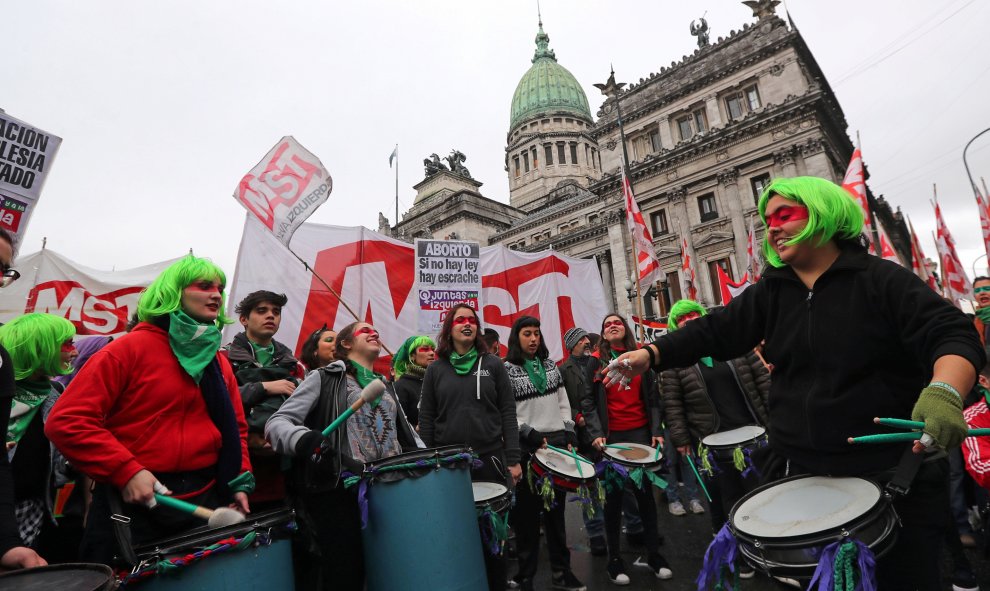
column 285, row 188
column 97, row 302
column 375, row 275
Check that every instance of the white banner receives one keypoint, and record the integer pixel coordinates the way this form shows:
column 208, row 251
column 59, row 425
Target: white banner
column 375, row 275
column 26, row 155
column 97, row 302
column 285, row 188
column 447, row 272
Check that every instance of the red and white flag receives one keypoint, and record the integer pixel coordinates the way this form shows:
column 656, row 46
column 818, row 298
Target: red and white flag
column 855, row 183
column 887, row 251
column 918, row 264
column 752, row 260
column 284, row 188
column 729, row 288
column 688, row 279
column 982, row 205
column 647, row 265
column 957, row 285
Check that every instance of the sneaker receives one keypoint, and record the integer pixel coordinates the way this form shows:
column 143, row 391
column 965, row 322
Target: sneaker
column 598, row 546
column 635, row 538
column 660, row 566
column 963, row 580
column 566, row 581
column 788, row 582
column 522, row 584
column 967, row 540
column 746, row 571
column 617, row 571
column 696, row 507
column 676, row 508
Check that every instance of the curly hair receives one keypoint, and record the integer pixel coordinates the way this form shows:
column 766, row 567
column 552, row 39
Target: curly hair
column 34, row 342
column 164, row 295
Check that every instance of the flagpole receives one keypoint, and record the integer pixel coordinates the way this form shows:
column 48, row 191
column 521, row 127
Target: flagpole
column 396, row 185
column 966, row 162
column 986, row 195
column 875, row 235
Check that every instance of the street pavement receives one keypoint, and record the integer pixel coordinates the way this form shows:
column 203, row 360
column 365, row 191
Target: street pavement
column 685, row 541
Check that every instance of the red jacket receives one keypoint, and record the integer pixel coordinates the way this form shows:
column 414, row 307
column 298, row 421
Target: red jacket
column 133, row 407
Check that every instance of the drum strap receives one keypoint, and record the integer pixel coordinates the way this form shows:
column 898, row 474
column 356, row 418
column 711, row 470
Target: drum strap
column 905, row 472
column 121, row 526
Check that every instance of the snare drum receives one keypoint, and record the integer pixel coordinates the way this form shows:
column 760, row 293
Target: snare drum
column 422, row 526
column 253, row 555
column 493, row 496
column 783, row 527
column 638, row 456
column 723, row 445
column 492, row 501
column 64, row 577
column 562, row 469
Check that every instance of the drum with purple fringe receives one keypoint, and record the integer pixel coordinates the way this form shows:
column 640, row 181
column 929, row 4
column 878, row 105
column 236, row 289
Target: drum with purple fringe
column 419, row 522
column 806, row 527
column 550, row 469
column 631, row 461
column 492, row 501
column 734, row 446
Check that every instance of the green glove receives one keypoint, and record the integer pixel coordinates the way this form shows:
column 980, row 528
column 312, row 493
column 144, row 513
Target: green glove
column 941, row 411
column 243, row 483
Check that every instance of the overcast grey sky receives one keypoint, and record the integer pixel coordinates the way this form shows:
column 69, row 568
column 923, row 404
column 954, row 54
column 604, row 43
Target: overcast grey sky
column 164, row 106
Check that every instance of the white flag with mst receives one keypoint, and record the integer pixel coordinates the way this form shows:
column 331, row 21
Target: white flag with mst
column 285, row 188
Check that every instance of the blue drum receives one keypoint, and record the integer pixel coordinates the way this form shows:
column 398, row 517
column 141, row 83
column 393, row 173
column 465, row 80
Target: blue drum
column 422, row 528
column 64, row 577
column 255, row 555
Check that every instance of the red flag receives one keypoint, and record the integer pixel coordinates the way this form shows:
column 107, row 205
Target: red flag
column 729, row 288
column 981, row 204
column 688, row 279
column 647, row 265
column 887, row 251
column 855, row 183
column 918, row 260
column 957, row 285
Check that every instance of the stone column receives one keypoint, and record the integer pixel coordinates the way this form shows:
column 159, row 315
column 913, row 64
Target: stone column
column 680, row 224
column 619, row 253
column 784, row 160
column 666, row 139
column 608, row 282
column 728, row 180
column 711, row 110
column 816, row 161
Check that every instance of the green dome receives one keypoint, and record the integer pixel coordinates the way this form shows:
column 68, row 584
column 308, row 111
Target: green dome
column 547, row 88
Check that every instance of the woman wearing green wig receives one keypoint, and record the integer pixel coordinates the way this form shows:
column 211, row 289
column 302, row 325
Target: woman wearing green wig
column 35, row 343
column 409, row 365
column 158, row 411
column 851, row 337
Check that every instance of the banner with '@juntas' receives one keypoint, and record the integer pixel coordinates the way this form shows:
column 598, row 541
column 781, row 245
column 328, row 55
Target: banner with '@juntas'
column 97, row 302
column 376, row 276
column 26, row 156
column 284, row 188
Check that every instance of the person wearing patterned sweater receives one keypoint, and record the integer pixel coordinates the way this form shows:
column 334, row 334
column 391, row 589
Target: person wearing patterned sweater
column 544, row 416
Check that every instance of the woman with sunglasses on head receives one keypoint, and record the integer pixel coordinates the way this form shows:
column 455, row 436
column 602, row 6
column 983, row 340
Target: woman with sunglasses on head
column 851, row 337
column 318, row 350
column 409, row 366
column 544, row 415
column 618, row 414
column 330, row 525
column 466, row 400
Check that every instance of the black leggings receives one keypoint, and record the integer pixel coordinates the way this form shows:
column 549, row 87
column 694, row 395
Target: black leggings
column 644, row 498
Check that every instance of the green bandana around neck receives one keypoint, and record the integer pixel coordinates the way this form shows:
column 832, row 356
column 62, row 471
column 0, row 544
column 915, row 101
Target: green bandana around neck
column 708, row 362
column 415, row 371
column 194, row 344
column 983, row 314
column 365, row 376
column 537, row 374
column 27, row 401
column 263, row 355
column 463, row 363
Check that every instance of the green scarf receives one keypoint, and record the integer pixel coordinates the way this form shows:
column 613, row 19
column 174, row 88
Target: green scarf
column 365, row 376
column 28, row 398
column 463, row 363
column 263, row 355
column 983, row 314
column 707, row 361
column 195, row 344
column 537, row 374
column 415, row 371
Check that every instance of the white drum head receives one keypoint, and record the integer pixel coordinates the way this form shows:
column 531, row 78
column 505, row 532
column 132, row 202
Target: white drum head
column 565, row 465
column 805, row 506
column 486, row 491
column 734, row 437
column 638, row 454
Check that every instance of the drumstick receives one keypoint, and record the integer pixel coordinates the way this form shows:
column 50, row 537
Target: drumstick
column 899, row 437
column 577, row 458
column 613, row 446
column 370, row 393
column 657, row 456
column 899, row 423
column 704, row 489
column 215, row 518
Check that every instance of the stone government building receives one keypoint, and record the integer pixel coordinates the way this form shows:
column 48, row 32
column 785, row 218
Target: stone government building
column 704, row 136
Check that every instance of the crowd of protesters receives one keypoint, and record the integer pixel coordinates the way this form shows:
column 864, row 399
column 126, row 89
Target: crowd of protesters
column 97, row 427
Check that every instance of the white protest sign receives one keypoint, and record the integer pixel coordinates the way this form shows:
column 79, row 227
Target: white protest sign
column 26, row 155
column 285, row 188
column 15, row 211
column 446, row 273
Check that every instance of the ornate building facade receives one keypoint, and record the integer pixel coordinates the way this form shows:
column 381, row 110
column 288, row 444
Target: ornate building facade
column 704, row 136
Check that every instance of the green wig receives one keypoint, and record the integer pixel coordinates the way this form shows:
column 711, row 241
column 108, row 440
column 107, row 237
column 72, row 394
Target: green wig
column 404, row 356
column 679, row 309
column 164, row 295
column 34, row 342
column 832, row 212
